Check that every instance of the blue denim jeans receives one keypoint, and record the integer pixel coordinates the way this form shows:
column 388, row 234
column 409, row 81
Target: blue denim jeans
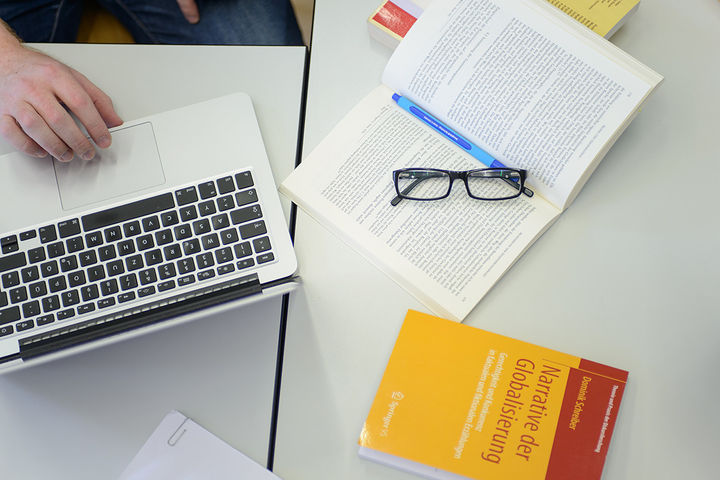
column 222, row 22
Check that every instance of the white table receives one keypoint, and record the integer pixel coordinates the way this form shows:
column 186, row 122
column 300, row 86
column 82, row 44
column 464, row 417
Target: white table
column 627, row 276
column 86, row 416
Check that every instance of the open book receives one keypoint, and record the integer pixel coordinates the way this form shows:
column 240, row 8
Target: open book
column 518, row 78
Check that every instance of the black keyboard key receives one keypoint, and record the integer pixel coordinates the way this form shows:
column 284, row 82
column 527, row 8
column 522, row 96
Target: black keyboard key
column 70, row 298
column 223, row 255
column 96, row 273
column 244, row 180
column 49, row 268
column 37, row 289
column 225, row 185
column 163, row 237
column 245, row 214
column 30, row 234
column 229, row 236
column 106, row 302
column 89, row 292
column 74, row 244
column 220, row 221
column 77, row 278
column 186, row 195
column 24, row 325
column 128, row 281
column 205, row 260
column 207, row 190
column 144, row 242
column 18, row 294
column 35, row 255
column 131, row 229
column 44, row 320
column 145, row 291
column 185, row 265
column 151, row 223
column 126, row 247
column 153, row 257
column 134, row 262
column 166, row 271
column 68, row 263
column 252, row 229
column 265, row 258
column 11, row 262
column 93, row 239
column 31, row 309
column 182, row 232
column 65, row 314
column 168, row 285
column 188, row 213
column 68, row 228
column 147, row 276
column 87, row 308
column 261, row 244
column 4, row 299
column 47, row 234
column 126, row 297
column 88, row 257
column 6, row 330
column 115, row 268
column 225, row 203
column 169, row 218
column 110, row 287
column 225, row 269
column 246, row 197
column 246, row 263
column 10, row 279
column 201, row 227
column 9, row 244
column 191, row 247
column 113, row 234
column 57, row 284
column 107, row 252
column 56, row 250
column 206, row 208
column 210, row 241
column 242, row 250
column 11, row 314
column 205, row 275
column 186, row 280
column 129, row 211
column 172, row 252
column 51, row 303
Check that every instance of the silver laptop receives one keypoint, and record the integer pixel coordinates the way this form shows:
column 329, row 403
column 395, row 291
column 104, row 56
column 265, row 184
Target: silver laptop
column 178, row 219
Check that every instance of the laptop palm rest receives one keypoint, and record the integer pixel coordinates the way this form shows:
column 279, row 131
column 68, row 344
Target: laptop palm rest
column 131, row 164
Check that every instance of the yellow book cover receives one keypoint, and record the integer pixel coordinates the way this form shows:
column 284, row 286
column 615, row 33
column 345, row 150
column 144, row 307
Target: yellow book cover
column 459, row 402
column 603, row 17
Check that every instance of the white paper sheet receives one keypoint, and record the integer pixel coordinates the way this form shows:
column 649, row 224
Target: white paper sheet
column 180, row 449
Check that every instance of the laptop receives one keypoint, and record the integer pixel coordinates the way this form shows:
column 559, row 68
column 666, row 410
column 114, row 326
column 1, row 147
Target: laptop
column 178, row 219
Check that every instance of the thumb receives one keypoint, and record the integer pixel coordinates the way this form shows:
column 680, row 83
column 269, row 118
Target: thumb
column 190, row 10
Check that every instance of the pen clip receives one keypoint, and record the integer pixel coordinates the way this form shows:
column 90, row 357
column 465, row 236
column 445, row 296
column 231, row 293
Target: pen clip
column 175, row 437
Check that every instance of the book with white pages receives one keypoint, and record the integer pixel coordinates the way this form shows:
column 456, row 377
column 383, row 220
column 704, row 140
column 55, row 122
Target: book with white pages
column 519, row 79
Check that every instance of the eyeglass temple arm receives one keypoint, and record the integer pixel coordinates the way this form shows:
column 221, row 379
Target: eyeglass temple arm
column 407, row 190
column 514, row 184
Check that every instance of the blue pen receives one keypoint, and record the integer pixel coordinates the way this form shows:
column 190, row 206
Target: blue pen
column 473, row 150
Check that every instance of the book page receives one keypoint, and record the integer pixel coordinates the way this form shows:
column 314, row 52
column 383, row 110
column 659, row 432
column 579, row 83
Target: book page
column 448, row 252
column 521, row 84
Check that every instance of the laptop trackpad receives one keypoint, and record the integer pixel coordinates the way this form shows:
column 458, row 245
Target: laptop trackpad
column 131, row 164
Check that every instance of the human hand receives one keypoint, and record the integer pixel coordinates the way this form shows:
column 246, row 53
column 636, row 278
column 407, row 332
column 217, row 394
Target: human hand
column 36, row 93
column 190, row 9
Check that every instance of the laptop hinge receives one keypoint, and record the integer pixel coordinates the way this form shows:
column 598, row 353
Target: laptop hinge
column 135, row 317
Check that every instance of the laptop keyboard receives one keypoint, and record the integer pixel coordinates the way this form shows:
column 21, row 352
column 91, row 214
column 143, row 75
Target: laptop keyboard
column 135, row 251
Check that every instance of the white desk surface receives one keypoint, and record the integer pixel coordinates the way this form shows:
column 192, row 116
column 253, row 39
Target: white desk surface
column 86, row 416
column 627, row 276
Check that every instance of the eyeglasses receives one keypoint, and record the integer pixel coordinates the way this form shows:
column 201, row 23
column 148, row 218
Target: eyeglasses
column 481, row 184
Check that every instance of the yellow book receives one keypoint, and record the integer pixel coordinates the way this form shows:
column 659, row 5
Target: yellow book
column 603, row 17
column 459, row 402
